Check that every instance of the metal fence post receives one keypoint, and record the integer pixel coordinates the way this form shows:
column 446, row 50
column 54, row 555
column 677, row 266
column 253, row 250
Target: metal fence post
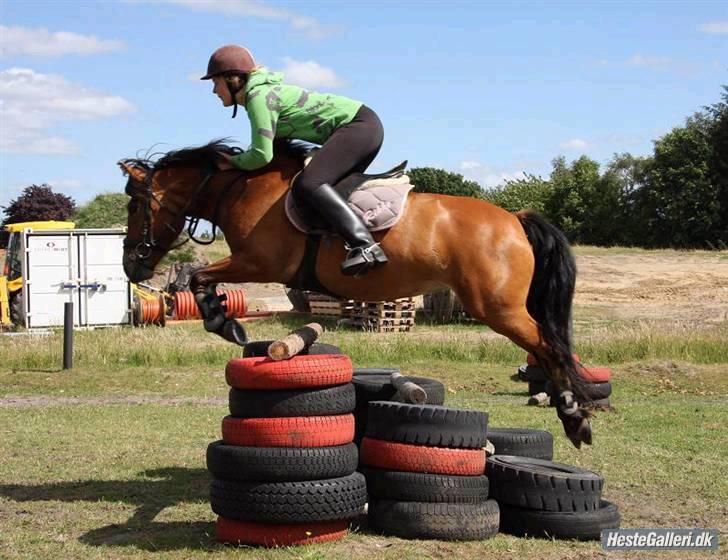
column 68, row 335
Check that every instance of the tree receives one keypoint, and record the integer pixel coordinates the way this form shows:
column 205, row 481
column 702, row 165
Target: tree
column 683, row 206
column 37, row 203
column 530, row 192
column 105, row 211
column 718, row 163
column 439, row 181
column 622, row 216
column 573, row 187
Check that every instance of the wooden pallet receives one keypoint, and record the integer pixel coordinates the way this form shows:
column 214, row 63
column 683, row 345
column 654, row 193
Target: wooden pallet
column 331, row 306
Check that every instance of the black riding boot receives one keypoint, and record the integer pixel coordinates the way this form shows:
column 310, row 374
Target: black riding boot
column 363, row 252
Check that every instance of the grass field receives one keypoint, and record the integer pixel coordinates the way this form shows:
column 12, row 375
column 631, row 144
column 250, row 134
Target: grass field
column 108, row 460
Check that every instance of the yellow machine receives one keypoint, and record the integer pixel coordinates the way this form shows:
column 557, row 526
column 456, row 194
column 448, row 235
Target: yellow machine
column 11, row 280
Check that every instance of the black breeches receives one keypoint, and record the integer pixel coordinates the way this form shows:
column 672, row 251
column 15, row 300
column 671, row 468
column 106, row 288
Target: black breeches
column 350, row 149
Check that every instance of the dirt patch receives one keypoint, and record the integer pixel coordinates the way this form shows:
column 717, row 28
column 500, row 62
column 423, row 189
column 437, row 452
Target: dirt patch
column 631, row 285
column 669, row 285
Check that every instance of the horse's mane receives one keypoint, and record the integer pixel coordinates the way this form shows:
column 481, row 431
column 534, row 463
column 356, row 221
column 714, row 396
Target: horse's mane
column 206, row 156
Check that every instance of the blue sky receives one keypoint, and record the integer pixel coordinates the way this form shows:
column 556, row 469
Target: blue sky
column 486, row 89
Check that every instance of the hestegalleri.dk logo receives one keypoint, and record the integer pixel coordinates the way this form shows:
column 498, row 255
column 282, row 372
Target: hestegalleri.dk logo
column 660, row 539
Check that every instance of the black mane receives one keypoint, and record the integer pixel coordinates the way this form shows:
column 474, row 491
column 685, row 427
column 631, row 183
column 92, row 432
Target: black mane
column 206, row 156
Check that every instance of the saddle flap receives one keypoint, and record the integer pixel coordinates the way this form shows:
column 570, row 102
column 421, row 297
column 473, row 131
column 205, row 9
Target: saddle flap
column 379, row 200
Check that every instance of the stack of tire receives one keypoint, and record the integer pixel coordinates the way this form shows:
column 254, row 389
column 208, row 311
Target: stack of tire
column 524, row 442
column 598, row 386
column 540, row 498
column 284, row 471
column 424, row 467
column 374, row 384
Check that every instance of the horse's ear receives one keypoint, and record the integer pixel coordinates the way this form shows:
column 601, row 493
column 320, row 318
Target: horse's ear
column 137, row 173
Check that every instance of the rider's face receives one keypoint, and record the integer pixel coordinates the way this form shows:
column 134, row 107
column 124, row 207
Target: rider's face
column 221, row 90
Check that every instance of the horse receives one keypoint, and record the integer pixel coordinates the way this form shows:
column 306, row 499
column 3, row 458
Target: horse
column 512, row 271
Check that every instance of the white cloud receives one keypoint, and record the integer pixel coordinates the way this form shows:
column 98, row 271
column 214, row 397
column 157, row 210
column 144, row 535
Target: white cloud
column 31, row 103
column 310, row 74
column 65, row 184
column 714, row 27
column 486, row 175
column 18, row 41
column 574, row 144
column 648, row 61
column 256, row 9
column 468, row 165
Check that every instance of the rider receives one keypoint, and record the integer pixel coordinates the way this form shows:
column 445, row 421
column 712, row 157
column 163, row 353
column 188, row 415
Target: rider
column 350, row 134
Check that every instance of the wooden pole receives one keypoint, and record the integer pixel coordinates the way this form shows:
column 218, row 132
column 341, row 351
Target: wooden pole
column 295, row 342
column 411, row 392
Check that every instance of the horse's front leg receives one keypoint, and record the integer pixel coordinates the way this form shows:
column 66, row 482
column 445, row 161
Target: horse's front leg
column 212, row 307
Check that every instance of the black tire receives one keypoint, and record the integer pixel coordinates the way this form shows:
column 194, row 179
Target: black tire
column 378, row 387
column 299, row 300
column 371, row 386
column 376, row 371
column 522, row 442
column 421, row 487
column 15, row 308
column 248, row 403
column 259, row 349
column 598, row 391
column 531, row 373
column 536, row 387
column 290, row 502
column 543, row 485
column 559, row 524
column 449, row 522
column 280, row 464
column 433, row 425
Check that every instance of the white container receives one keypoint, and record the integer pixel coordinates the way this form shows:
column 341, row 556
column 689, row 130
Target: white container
column 83, row 266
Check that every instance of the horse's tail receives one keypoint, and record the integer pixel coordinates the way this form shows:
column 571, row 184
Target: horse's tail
column 552, row 292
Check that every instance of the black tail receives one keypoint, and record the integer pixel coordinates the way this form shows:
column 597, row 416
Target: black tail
column 552, row 292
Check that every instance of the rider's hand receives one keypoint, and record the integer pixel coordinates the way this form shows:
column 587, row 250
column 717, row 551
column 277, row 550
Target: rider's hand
column 224, row 162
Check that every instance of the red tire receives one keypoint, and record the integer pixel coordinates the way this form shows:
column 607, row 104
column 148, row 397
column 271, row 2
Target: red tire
column 421, row 458
column 595, row 374
column 263, row 534
column 532, row 361
column 300, row 372
column 295, row 431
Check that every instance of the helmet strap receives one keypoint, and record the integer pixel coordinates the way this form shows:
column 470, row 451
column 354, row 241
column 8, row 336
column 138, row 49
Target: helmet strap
column 233, row 94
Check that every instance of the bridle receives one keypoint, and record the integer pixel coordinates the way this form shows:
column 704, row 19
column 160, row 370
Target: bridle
column 143, row 248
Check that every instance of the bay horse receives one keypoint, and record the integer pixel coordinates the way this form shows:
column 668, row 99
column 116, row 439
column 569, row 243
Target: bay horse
column 512, row 271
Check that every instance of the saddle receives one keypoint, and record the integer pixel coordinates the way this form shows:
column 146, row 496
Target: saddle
column 378, row 199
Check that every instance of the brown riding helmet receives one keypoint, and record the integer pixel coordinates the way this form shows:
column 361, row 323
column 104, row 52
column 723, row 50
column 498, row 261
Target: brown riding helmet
column 230, row 58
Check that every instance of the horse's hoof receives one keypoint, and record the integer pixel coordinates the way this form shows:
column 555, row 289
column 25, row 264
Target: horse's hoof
column 214, row 323
column 232, row 331
column 577, row 427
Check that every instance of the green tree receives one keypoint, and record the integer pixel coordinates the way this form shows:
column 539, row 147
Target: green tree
column 621, row 213
column 682, row 203
column 104, row 211
column 439, row 181
column 530, row 192
column 718, row 164
column 572, row 189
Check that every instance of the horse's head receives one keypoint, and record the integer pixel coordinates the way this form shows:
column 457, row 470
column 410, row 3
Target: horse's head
column 154, row 221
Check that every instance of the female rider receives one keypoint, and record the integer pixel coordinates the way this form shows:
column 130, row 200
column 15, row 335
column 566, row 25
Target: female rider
column 349, row 132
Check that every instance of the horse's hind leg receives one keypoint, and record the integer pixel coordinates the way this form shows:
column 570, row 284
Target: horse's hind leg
column 506, row 313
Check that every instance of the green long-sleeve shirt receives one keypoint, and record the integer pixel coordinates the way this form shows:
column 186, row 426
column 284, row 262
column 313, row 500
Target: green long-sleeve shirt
column 278, row 110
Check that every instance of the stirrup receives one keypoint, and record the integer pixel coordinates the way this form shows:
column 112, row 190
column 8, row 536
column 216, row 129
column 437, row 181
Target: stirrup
column 360, row 259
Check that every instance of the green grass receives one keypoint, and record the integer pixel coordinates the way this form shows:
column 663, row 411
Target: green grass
column 112, row 481
column 95, row 475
